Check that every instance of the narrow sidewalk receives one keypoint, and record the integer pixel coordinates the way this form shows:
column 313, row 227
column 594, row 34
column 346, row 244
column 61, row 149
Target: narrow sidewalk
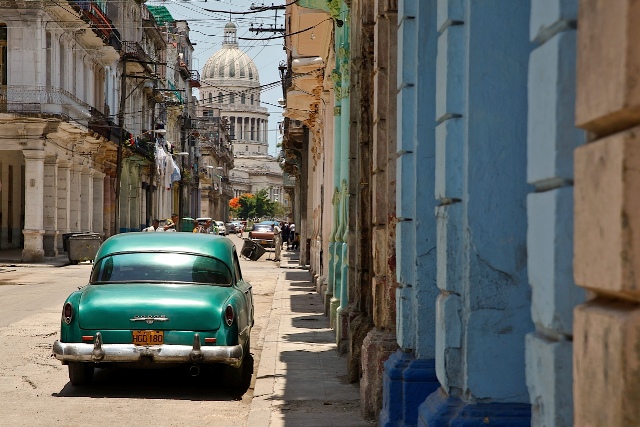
column 301, row 379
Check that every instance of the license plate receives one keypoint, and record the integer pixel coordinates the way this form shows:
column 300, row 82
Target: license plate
column 148, row 337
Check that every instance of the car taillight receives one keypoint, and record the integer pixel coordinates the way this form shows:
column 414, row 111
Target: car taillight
column 67, row 313
column 228, row 315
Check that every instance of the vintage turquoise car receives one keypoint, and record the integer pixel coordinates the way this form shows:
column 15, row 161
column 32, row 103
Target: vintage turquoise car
column 156, row 299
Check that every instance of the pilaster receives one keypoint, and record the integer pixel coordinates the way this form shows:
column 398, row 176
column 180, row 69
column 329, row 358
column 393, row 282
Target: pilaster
column 409, row 374
column 33, row 231
column 50, row 211
column 64, row 200
column 551, row 139
column 86, row 198
column 482, row 312
column 98, row 202
column 75, row 185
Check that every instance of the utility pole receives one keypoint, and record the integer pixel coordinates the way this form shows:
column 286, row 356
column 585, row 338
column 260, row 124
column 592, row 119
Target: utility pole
column 123, row 97
column 273, row 28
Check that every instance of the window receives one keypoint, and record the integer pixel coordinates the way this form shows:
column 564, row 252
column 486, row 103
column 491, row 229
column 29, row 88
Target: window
column 251, row 99
column 220, row 98
column 242, row 98
column 246, row 148
column 210, row 97
column 162, row 267
column 232, row 98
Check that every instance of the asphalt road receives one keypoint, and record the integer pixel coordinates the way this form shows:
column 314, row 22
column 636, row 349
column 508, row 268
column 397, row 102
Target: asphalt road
column 34, row 386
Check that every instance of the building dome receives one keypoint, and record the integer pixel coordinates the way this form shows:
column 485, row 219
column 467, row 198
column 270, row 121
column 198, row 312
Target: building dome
column 230, row 62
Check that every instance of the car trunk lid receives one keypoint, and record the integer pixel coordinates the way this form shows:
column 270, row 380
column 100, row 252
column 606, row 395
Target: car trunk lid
column 186, row 307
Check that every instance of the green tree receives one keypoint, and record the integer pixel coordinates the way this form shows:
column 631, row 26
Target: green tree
column 255, row 206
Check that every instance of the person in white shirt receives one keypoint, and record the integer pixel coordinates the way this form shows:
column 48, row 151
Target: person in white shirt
column 292, row 234
column 153, row 227
column 277, row 241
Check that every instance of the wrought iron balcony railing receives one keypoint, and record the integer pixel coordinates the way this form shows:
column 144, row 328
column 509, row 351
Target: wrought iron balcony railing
column 22, row 99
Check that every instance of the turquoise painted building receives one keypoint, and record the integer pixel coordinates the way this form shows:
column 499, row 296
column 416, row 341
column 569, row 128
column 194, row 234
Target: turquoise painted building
column 486, row 94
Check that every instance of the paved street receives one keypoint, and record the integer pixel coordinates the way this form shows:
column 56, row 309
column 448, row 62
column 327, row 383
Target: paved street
column 299, row 380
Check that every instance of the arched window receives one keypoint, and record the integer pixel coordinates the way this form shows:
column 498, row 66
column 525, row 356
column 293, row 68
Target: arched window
column 210, row 97
column 232, row 98
column 242, row 98
column 220, row 98
column 251, row 99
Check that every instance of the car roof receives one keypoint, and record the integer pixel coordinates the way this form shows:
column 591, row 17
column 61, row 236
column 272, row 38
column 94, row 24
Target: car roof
column 196, row 243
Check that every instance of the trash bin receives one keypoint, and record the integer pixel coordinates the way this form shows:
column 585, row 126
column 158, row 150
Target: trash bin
column 83, row 247
column 65, row 240
column 252, row 250
column 187, row 224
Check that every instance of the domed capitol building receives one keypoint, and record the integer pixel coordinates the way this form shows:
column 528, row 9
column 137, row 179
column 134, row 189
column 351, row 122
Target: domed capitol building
column 230, row 83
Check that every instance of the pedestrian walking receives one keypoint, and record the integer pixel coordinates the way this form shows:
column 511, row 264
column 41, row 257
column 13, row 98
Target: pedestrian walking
column 277, row 241
column 292, row 234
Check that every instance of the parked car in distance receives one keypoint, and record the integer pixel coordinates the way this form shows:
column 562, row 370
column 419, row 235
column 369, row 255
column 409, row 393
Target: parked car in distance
column 222, row 229
column 160, row 299
column 233, row 227
column 262, row 234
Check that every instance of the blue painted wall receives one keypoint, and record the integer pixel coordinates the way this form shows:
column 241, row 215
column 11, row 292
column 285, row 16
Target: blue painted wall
column 552, row 138
column 409, row 374
column 483, row 310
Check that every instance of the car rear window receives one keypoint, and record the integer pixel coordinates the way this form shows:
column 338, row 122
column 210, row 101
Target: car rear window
column 263, row 227
column 161, row 267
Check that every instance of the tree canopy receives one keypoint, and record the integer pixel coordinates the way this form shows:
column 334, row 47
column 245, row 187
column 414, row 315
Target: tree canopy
column 255, row 206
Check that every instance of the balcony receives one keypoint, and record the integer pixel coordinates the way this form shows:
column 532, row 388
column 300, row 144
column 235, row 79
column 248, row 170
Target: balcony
column 194, row 79
column 183, row 68
column 134, row 52
column 95, row 16
column 102, row 125
column 44, row 100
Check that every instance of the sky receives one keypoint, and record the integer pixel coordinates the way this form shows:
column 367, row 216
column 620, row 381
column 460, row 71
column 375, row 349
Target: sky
column 206, row 30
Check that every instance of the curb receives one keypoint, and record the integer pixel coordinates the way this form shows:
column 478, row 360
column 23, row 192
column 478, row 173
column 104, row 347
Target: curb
column 260, row 410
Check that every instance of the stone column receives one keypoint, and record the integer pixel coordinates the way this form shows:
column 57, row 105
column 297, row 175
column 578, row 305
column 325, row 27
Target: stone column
column 33, row 231
column 409, row 373
column 74, row 195
column 551, row 139
column 64, row 199
column 50, row 244
column 86, row 199
column 483, row 310
column 252, row 128
column 108, row 195
column 125, row 199
column 98, row 202
column 607, row 215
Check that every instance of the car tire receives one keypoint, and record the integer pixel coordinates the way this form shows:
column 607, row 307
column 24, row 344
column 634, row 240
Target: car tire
column 80, row 373
column 239, row 379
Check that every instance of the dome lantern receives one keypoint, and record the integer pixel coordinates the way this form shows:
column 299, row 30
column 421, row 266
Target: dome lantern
column 230, row 35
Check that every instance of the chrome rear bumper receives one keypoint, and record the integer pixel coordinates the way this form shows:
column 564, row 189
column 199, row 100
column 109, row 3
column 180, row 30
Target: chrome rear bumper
column 166, row 353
